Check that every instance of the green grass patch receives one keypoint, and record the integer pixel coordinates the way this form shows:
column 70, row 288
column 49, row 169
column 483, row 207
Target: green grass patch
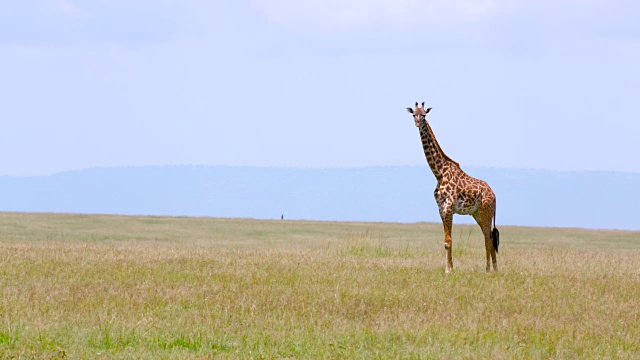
column 151, row 287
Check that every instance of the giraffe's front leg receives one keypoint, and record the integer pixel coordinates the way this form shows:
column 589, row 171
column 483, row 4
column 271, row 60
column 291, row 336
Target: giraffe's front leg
column 445, row 207
column 447, row 222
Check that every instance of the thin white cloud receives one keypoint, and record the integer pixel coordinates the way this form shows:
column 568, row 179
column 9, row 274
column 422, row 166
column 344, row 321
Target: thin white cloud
column 352, row 14
column 345, row 15
column 127, row 22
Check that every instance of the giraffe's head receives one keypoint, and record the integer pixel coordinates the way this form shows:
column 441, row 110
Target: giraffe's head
column 419, row 113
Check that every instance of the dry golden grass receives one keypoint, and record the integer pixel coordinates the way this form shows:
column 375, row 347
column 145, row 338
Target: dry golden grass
column 94, row 286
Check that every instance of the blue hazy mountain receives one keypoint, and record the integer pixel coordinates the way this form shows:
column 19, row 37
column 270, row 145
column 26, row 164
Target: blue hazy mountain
column 393, row 194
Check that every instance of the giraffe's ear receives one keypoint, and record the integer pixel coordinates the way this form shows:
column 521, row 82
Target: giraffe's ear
column 410, row 110
column 427, row 111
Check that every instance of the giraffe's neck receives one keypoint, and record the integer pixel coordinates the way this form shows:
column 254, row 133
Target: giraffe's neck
column 436, row 158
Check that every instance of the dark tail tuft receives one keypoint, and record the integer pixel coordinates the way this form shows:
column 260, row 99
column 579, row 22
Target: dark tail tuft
column 495, row 236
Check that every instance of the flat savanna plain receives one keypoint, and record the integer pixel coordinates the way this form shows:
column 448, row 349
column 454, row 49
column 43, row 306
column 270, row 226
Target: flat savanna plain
column 98, row 286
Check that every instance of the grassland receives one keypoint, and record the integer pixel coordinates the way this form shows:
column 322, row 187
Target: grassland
column 94, row 286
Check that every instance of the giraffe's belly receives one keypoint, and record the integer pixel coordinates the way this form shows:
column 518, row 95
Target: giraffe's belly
column 466, row 206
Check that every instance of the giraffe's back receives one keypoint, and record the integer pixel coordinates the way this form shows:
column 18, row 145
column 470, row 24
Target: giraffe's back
column 473, row 195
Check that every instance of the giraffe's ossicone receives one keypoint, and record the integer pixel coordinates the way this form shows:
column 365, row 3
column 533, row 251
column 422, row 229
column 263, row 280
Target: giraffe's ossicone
column 457, row 192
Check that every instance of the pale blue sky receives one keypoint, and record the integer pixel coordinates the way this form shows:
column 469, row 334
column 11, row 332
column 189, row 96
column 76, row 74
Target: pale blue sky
column 550, row 84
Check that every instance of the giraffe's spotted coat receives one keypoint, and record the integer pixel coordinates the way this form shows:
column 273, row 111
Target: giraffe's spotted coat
column 457, row 192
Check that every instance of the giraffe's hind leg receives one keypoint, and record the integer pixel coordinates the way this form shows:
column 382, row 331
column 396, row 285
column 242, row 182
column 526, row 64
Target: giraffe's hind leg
column 483, row 218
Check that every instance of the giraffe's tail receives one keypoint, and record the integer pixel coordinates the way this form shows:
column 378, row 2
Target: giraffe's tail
column 495, row 234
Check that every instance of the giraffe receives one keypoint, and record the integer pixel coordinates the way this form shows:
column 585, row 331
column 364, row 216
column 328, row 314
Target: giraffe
column 457, row 192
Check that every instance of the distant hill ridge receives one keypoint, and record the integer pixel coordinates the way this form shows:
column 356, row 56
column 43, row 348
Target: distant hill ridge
column 591, row 199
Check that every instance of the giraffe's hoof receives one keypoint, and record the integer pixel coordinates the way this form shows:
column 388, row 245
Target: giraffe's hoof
column 448, row 268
